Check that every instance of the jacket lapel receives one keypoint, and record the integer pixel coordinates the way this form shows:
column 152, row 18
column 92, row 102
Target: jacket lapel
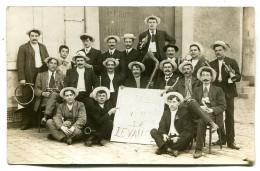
column 31, row 50
column 45, row 79
column 74, row 110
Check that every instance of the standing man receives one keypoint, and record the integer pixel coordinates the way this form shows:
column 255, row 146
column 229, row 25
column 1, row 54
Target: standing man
column 30, row 61
column 175, row 130
column 228, row 73
column 66, row 63
column 111, row 79
column 153, row 39
column 112, row 52
column 130, row 54
column 212, row 100
column 94, row 55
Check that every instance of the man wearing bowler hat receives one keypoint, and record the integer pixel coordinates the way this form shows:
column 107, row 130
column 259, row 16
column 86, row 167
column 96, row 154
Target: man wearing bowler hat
column 153, row 39
column 94, row 55
column 30, row 61
column 227, row 75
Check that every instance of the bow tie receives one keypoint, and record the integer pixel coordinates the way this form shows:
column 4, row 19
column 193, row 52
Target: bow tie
column 167, row 77
column 65, row 63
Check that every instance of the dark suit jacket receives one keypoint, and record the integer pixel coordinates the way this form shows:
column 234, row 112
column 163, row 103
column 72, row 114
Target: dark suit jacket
column 229, row 88
column 133, row 55
column 178, row 72
column 91, row 80
column 200, row 64
column 78, row 112
column 26, row 61
column 118, row 56
column 217, row 101
column 130, row 82
column 160, row 82
column 182, row 123
column 95, row 59
column 117, row 81
column 161, row 37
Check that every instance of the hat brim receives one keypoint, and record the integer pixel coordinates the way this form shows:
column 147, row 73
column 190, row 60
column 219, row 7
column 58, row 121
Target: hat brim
column 128, row 37
column 165, row 97
column 174, row 46
column 114, row 37
column 69, row 88
column 96, row 90
column 214, row 73
column 198, row 45
column 130, row 65
column 82, row 37
column 219, row 43
column 173, row 63
column 152, row 17
column 48, row 58
column 37, row 30
column 111, row 59
column 75, row 57
column 184, row 64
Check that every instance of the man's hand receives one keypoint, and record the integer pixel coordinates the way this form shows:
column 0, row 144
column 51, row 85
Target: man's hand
column 88, row 66
column 22, row 82
column 66, row 131
column 174, row 139
column 46, row 94
column 167, row 87
column 72, row 129
column 144, row 40
column 165, row 137
column 111, row 111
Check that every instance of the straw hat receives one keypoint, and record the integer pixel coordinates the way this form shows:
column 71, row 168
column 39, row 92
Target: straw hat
column 69, row 88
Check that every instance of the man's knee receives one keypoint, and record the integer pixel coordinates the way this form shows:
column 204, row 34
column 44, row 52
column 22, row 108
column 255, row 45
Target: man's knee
column 153, row 131
column 49, row 122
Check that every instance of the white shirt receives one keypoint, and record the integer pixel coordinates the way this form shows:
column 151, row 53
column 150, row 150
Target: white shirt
column 38, row 60
column 172, row 127
column 81, row 80
column 111, row 87
column 174, row 58
column 137, row 80
column 167, row 77
column 194, row 62
column 128, row 50
column 87, row 50
column 70, row 106
column 101, row 105
column 152, row 45
column 50, row 73
column 220, row 62
column 208, row 86
column 111, row 51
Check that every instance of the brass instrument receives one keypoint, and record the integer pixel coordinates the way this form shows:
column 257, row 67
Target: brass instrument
column 150, row 55
column 232, row 75
column 177, row 79
column 88, row 130
column 142, row 44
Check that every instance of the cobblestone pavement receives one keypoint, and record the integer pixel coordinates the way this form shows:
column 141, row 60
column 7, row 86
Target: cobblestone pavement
column 31, row 147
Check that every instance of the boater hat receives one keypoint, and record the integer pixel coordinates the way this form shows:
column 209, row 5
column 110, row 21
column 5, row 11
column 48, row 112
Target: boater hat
column 130, row 65
column 213, row 72
column 80, row 54
column 223, row 44
column 34, row 30
column 171, row 45
column 69, row 88
column 198, row 45
column 96, row 90
column 50, row 57
column 128, row 35
column 85, row 35
column 152, row 17
column 112, row 36
column 184, row 64
column 174, row 65
column 111, row 59
column 166, row 96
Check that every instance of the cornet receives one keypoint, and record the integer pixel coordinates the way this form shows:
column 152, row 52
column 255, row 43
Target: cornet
column 88, row 130
column 233, row 76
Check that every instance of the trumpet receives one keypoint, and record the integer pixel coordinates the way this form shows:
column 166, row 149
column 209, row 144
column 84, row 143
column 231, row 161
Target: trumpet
column 233, row 76
column 88, row 130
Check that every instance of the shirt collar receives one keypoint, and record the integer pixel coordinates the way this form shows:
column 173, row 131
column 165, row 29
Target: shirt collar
column 138, row 78
column 66, row 59
column 154, row 32
column 168, row 76
column 34, row 44
column 111, row 51
column 174, row 58
column 208, row 87
column 101, row 105
column 50, row 72
column 129, row 50
column 80, row 70
column 87, row 49
column 173, row 112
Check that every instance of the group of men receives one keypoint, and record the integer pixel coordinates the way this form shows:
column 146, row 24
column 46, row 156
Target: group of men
column 82, row 93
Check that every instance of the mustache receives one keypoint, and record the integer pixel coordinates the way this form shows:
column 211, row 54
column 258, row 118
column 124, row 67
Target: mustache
column 186, row 73
column 205, row 80
column 167, row 70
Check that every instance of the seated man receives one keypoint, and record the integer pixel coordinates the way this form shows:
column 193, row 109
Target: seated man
column 47, row 87
column 69, row 119
column 175, row 130
column 100, row 116
column 212, row 101
column 136, row 80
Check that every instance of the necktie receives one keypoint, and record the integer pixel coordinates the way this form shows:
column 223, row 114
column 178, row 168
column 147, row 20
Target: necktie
column 52, row 81
column 153, row 37
column 205, row 92
column 111, row 53
column 127, row 52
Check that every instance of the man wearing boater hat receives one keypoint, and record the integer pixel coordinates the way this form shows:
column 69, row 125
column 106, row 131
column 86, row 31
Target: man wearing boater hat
column 112, row 52
column 94, row 55
column 228, row 85
column 81, row 77
column 175, row 130
column 100, row 116
column 30, row 61
column 170, row 51
column 111, row 79
column 212, row 100
column 130, row 54
column 47, row 87
column 69, row 119
column 153, row 39
column 136, row 80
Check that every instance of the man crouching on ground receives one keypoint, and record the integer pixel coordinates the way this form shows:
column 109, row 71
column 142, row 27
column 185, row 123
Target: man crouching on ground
column 175, row 128
column 70, row 118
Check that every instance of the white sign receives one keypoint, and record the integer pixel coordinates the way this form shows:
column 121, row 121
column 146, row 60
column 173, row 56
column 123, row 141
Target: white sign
column 140, row 110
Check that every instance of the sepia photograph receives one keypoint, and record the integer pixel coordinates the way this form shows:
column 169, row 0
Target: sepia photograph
column 130, row 85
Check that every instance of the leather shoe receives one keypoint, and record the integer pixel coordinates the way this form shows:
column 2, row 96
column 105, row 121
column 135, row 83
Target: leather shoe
column 103, row 142
column 88, row 142
column 50, row 137
column 218, row 142
column 69, row 141
column 43, row 122
column 24, row 127
column 159, row 151
column 197, row 154
column 233, row 146
column 170, row 151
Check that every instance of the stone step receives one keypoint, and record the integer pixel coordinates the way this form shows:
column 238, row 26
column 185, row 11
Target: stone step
column 242, row 84
column 246, row 95
column 248, row 89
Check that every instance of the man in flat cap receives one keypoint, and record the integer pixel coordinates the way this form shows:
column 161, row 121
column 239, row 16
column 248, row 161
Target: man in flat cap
column 212, row 100
column 94, row 55
column 130, row 54
column 111, row 79
column 153, row 39
column 47, row 87
column 175, row 130
column 30, row 61
column 68, row 122
column 136, row 80
column 227, row 75
column 66, row 62
column 112, row 52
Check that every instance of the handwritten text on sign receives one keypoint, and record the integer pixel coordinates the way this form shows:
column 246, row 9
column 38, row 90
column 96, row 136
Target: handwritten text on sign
column 140, row 110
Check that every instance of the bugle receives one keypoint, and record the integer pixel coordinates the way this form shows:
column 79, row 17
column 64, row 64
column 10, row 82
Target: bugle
column 233, row 76
column 150, row 55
